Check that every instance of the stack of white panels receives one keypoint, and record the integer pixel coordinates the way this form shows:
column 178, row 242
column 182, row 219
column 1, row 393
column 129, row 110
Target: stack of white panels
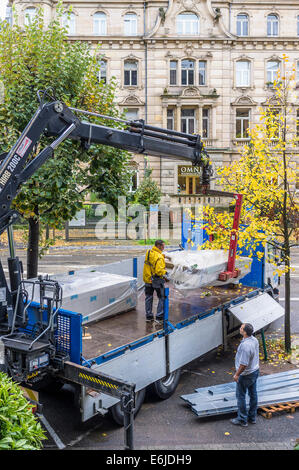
column 96, row 295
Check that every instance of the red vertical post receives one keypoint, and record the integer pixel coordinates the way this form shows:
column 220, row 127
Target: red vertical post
column 231, row 270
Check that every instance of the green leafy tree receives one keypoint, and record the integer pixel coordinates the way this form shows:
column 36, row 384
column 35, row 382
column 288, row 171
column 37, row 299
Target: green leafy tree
column 148, row 191
column 19, row 428
column 38, row 57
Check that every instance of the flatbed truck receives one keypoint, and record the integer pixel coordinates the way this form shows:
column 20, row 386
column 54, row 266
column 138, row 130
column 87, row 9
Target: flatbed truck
column 45, row 345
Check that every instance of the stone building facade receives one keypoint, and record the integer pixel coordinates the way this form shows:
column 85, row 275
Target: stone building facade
column 199, row 66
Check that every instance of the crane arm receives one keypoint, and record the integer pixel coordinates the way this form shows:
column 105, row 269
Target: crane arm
column 56, row 119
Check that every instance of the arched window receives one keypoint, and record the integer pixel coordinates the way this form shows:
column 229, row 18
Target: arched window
column 187, row 24
column 272, row 25
column 187, row 72
column 130, row 72
column 100, row 24
column 272, row 70
column 130, row 24
column 242, row 73
column 69, row 22
column 29, row 15
column 242, row 24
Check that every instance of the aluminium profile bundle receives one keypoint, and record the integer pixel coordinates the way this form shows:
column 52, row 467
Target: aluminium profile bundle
column 221, row 399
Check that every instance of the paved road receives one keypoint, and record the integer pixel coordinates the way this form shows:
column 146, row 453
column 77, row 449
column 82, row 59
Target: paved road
column 279, row 324
column 167, row 424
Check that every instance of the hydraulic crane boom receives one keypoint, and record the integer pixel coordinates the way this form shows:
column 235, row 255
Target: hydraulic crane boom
column 54, row 118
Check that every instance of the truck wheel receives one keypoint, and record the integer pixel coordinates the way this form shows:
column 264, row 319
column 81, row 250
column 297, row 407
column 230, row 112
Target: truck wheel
column 116, row 412
column 165, row 387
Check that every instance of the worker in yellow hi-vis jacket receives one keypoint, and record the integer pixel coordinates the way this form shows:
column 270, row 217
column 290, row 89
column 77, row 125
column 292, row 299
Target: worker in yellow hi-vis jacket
column 154, row 277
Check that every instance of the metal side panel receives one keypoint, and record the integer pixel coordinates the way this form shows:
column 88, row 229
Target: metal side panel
column 140, row 366
column 259, row 311
column 194, row 340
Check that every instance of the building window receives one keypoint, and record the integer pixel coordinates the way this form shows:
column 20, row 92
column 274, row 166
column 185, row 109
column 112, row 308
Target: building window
column 132, row 114
column 297, row 25
column 170, row 119
column 187, row 72
column 100, row 24
column 242, row 24
column 205, row 123
column 131, row 70
column 273, row 123
column 130, row 24
column 30, row 14
column 133, row 185
column 173, row 72
column 272, row 70
column 202, row 72
column 103, row 71
column 187, row 24
column 188, row 121
column 69, row 22
column 242, row 123
column 8, row 15
column 272, row 25
column 242, row 73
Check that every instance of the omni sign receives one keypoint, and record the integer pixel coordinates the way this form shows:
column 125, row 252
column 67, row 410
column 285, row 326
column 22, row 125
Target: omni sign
column 188, row 170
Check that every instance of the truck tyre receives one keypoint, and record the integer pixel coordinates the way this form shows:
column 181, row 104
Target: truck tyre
column 165, row 387
column 116, row 412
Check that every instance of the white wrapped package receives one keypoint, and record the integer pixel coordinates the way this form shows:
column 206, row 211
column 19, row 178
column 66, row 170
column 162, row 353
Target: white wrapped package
column 96, row 295
column 193, row 269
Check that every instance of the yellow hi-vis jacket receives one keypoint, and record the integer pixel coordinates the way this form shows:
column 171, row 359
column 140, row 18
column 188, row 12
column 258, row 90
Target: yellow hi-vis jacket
column 154, row 264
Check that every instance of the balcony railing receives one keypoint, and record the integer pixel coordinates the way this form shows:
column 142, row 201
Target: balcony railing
column 209, row 142
column 196, row 199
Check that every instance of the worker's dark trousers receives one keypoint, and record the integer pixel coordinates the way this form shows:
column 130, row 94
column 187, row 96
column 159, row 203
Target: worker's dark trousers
column 149, row 296
column 244, row 384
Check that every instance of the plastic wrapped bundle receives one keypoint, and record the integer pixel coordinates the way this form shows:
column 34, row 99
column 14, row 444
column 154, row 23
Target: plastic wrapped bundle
column 193, row 269
column 96, row 295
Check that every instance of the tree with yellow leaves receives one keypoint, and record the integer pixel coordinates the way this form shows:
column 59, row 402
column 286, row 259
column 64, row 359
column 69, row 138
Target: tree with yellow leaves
column 265, row 174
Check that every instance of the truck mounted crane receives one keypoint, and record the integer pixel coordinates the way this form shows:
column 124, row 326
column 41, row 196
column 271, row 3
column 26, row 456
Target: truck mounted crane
column 31, row 349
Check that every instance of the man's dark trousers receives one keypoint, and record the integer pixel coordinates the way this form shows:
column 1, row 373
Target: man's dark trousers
column 247, row 383
column 149, row 296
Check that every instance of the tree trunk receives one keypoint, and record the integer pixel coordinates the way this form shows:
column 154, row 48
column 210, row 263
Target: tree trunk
column 287, row 319
column 32, row 248
column 287, row 251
